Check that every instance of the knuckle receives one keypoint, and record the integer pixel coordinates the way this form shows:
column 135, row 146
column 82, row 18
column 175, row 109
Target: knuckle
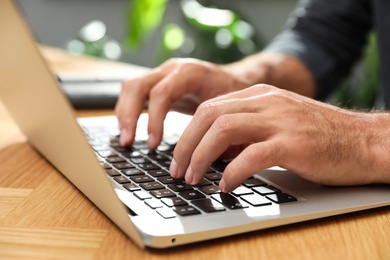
column 224, row 124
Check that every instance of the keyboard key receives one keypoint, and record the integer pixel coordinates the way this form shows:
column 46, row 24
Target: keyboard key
column 210, row 189
column 158, row 173
column 157, row 157
column 139, row 160
column 166, row 212
column 253, row 182
column 115, row 159
column 179, row 186
column 168, row 180
column 164, row 193
column 186, row 210
column 141, row 178
column 148, row 166
column 152, row 185
column 256, row 200
column 281, row 198
column 228, row 201
column 133, row 171
column 214, row 176
column 265, row 190
column 208, row 205
column 131, row 187
column 191, row 194
column 154, row 203
column 203, row 182
column 112, row 172
column 107, row 153
column 121, row 179
column 142, row 195
column 124, row 165
column 174, row 201
column 239, row 191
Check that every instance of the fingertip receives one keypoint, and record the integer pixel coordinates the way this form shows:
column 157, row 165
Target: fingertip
column 223, row 187
column 125, row 137
column 153, row 141
column 173, row 169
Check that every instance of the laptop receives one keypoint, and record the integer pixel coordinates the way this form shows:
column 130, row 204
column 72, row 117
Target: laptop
column 131, row 185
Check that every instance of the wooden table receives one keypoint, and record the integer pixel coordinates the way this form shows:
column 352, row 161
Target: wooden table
column 43, row 216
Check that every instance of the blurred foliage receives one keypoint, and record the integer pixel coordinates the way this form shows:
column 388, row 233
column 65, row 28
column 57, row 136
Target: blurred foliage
column 206, row 31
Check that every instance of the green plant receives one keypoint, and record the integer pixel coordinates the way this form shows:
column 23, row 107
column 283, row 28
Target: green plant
column 205, row 32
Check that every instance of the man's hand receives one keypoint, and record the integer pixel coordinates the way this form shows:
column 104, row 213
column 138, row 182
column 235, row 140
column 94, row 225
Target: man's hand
column 181, row 84
column 274, row 127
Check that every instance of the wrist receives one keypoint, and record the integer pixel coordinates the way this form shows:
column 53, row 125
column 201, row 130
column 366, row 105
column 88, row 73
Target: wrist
column 376, row 129
column 275, row 69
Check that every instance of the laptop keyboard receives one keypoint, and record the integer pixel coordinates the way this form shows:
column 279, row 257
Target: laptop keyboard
column 144, row 172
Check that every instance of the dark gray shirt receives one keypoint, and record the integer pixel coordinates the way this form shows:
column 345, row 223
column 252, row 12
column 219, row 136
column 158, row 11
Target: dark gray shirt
column 329, row 36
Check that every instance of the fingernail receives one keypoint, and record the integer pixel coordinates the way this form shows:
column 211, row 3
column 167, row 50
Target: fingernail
column 189, row 175
column 124, row 137
column 223, row 187
column 173, row 169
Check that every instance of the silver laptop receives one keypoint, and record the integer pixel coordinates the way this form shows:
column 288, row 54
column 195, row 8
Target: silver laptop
column 131, row 185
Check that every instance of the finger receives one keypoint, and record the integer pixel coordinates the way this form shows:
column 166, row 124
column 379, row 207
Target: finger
column 204, row 117
column 180, row 82
column 253, row 159
column 131, row 102
column 227, row 131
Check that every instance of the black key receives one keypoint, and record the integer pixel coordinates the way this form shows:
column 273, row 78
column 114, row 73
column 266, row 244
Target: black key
column 210, row 189
column 131, row 187
column 164, row 193
column 220, row 165
column 265, row 190
column 158, row 173
column 179, row 186
column 105, row 166
column 141, row 178
column 148, row 166
column 191, row 194
column 169, row 179
column 228, row 200
column 157, row 157
column 123, row 165
column 208, row 205
column 138, row 160
column 152, row 185
column 281, row 198
column 186, row 210
column 133, row 154
column 203, row 182
column 256, row 200
column 115, row 159
column 112, row 172
column 253, row 182
column 174, row 201
column 133, row 171
column 121, row 179
column 214, row 176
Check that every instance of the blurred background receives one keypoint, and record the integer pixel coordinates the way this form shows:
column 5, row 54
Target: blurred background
column 147, row 32
column 150, row 31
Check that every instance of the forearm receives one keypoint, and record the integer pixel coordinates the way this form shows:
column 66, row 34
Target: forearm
column 275, row 69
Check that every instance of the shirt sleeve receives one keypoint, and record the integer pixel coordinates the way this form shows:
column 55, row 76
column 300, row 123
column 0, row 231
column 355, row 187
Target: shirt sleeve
column 328, row 37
